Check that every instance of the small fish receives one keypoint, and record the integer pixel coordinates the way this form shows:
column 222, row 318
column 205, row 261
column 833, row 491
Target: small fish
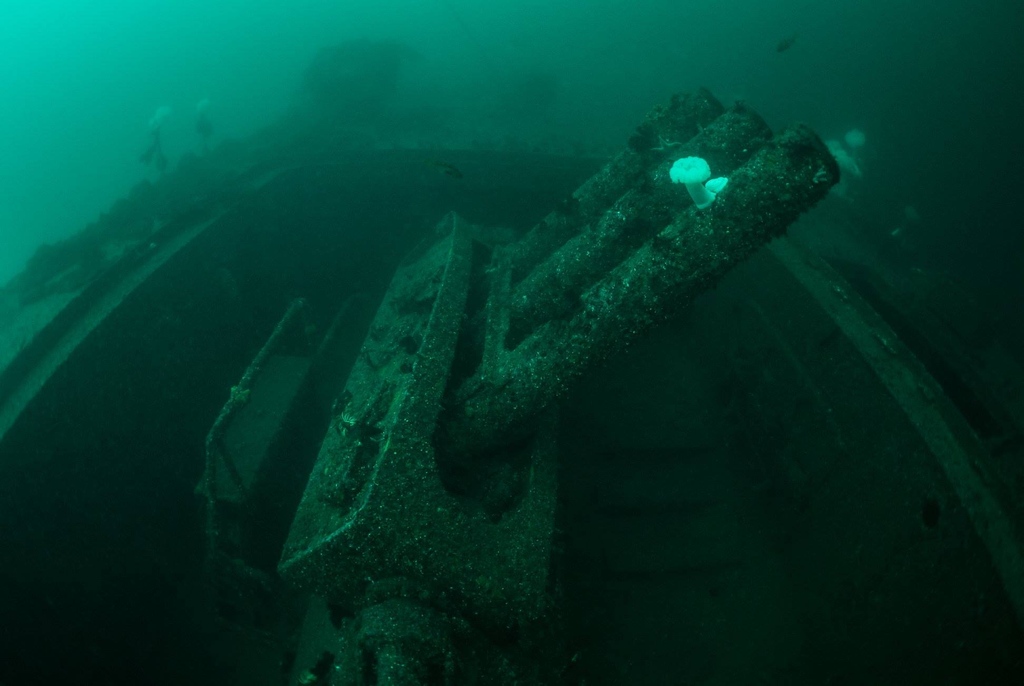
column 786, row 43
column 445, row 168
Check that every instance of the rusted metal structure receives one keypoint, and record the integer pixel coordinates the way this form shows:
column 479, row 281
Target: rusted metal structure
column 396, row 492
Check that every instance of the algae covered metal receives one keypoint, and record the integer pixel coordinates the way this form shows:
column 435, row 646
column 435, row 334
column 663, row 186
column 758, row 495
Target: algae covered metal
column 431, row 507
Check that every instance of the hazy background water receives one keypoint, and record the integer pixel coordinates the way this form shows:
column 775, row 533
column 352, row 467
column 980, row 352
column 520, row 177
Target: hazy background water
column 935, row 85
